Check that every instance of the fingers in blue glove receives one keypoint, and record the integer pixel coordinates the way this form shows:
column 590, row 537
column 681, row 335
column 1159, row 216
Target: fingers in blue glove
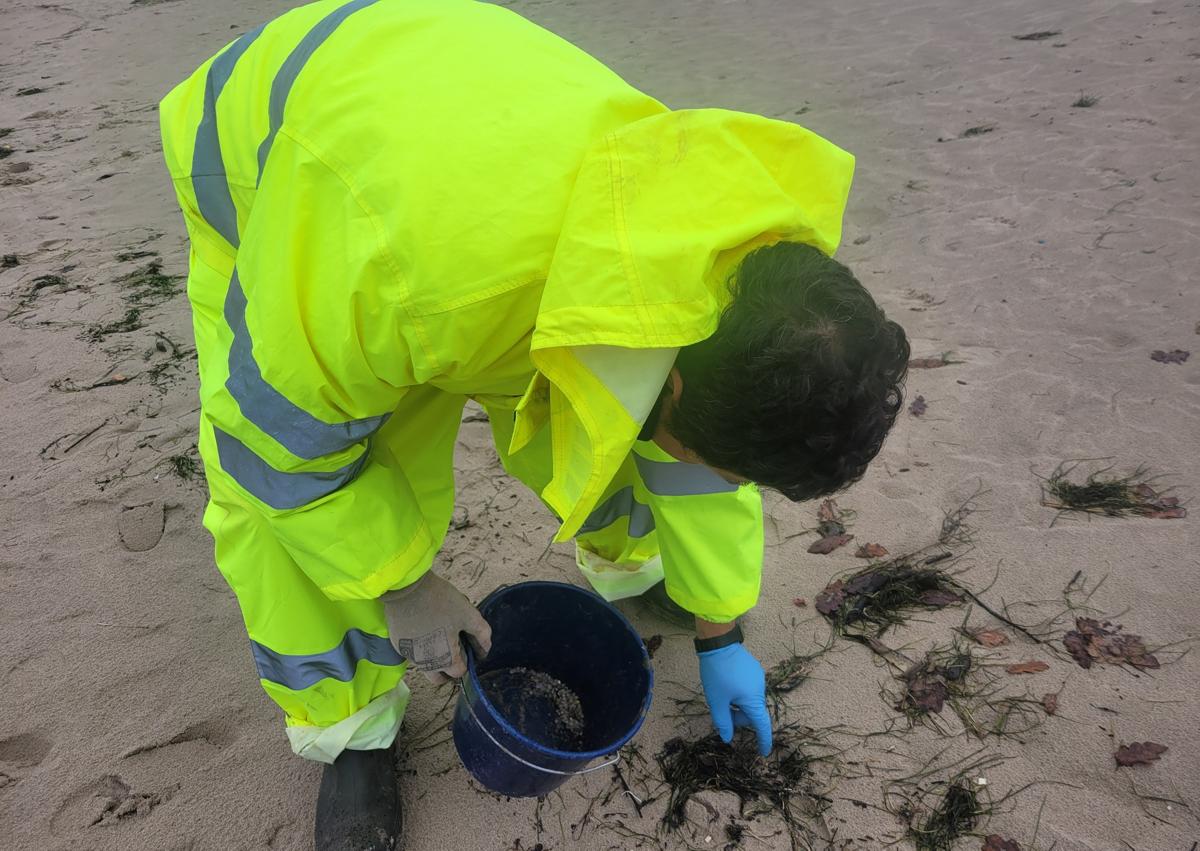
column 735, row 688
column 759, row 719
column 723, row 718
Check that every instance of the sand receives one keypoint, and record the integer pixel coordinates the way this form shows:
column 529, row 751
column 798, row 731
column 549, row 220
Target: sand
column 1051, row 254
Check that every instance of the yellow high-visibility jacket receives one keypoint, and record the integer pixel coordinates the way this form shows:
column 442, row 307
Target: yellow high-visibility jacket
column 391, row 195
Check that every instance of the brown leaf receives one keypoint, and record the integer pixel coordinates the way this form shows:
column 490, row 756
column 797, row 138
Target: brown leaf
column 927, row 363
column 1139, row 753
column 928, row 695
column 652, row 644
column 1050, row 703
column 1173, row 356
column 799, row 602
column 830, row 543
column 996, row 842
column 871, row 551
column 828, row 512
column 937, row 597
column 1175, row 513
column 1033, row 666
column 989, row 637
column 831, row 599
column 1094, row 641
column 918, row 406
column 1144, row 491
column 1077, row 646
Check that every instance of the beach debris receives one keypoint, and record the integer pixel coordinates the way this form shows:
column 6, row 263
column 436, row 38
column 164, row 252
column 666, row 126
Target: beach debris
column 880, row 595
column 1095, row 641
column 1033, row 666
column 976, row 131
column 871, row 551
column 1139, row 753
column 987, row 637
column 956, row 815
column 1050, row 702
column 918, row 406
column 996, row 842
column 1114, row 496
column 460, row 519
column 652, row 644
column 932, row 362
column 149, row 286
column 928, row 684
column 8, row 261
column 183, row 466
column 1085, row 101
column 799, row 602
column 829, row 543
column 831, row 526
column 937, row 598
column 781, row 783
column 1041, row 35
column 829, row 513
column 1173, row 356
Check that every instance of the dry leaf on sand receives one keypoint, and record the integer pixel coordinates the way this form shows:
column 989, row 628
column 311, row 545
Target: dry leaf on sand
column 1033, row 666
column 871, row 551
column 988, row 637
column 996, row 842
column 1139, row 753
column 829, row 543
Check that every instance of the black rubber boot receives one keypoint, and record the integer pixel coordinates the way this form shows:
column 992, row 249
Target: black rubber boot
column 358, row 808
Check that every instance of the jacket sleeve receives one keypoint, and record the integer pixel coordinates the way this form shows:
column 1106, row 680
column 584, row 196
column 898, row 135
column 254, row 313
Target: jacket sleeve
column 710, row 534
column 310, row 361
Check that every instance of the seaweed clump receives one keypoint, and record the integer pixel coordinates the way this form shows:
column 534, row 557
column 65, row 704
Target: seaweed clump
column 779, row 782
column 881, row 595
column 956, row 814
column 1113, row 496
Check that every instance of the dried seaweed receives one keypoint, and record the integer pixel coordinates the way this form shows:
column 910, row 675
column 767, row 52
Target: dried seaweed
column 1114, row 496
column 784, row 783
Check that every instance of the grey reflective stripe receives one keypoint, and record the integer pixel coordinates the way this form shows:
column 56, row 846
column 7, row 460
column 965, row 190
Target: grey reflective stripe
column 676, row 478
column 278, row 489
column 298, row 431
column 281, row 87
column 620, row 504
column 299, row 671
column 208, row 168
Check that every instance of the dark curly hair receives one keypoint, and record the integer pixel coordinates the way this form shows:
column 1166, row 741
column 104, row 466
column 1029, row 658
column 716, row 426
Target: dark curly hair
column 799, row 385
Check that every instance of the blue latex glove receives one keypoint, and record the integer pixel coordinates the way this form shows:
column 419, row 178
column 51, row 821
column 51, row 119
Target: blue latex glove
column 736, row 690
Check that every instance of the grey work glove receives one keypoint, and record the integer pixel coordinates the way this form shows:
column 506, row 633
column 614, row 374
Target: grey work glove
column 424, row 620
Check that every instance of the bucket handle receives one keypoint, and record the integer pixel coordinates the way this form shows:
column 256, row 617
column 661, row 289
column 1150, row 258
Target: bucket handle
column 467, row 702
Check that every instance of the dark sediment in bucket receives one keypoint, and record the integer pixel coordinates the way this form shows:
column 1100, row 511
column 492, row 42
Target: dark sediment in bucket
column 532, row 713
column 538, row 705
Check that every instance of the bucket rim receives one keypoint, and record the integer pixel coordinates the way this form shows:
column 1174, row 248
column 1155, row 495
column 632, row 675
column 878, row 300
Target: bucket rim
column 531, row 744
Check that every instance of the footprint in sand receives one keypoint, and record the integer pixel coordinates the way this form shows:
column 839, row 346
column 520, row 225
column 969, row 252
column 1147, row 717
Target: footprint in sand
column 140, row 527
column 104, row 802
column 199, row 742
column 19, row 753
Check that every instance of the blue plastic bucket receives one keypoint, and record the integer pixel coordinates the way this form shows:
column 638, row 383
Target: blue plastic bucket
column 578, row 639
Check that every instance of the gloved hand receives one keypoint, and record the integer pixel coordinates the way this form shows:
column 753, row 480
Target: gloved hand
column 424, row 620
column 736, row 690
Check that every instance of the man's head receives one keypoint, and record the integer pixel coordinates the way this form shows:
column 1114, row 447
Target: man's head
column 798, row 386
